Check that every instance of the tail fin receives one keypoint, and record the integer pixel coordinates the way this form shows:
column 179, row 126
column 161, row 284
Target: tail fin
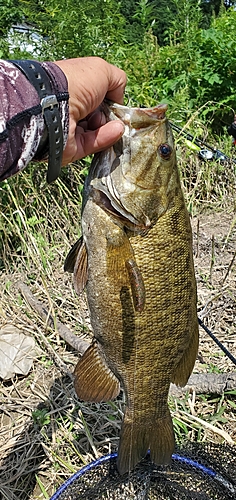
column 137, row 437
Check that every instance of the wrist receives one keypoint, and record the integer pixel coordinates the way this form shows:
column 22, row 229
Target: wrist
column 51, row 86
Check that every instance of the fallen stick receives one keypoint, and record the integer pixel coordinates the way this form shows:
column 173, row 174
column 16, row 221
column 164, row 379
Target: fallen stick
column 201, row 383
column 70, row 338
column 206, row 383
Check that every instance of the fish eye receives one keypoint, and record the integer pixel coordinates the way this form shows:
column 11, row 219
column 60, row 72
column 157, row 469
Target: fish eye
column 165, row 151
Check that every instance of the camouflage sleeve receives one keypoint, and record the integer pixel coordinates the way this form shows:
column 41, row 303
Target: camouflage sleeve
column 21, row 120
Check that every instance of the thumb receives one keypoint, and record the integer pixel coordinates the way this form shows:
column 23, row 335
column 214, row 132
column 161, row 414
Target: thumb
column 92, row 141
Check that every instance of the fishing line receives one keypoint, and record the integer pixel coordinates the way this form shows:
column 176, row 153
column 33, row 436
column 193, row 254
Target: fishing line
column 219, row 155
column 112, row 456
column 191, row 137
column 213, row 337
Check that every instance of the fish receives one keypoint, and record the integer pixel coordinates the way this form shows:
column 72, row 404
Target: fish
column 135, row 261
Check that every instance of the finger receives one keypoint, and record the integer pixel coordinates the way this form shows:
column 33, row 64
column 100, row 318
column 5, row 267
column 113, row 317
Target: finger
column 96, row 120
column 116, row 86
column 92, row 122
column 93, row 141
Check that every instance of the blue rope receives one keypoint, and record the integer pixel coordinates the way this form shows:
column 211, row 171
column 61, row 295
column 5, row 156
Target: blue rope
column 206, row 470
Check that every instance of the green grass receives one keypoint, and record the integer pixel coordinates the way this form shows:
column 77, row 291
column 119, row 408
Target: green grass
column 38, row 222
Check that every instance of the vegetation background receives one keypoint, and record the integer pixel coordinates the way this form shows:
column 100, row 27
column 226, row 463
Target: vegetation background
column 182, row 52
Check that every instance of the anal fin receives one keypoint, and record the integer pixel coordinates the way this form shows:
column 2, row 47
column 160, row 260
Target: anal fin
column 94, row 381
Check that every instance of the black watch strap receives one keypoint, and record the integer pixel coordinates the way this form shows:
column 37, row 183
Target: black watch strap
column 39, row 78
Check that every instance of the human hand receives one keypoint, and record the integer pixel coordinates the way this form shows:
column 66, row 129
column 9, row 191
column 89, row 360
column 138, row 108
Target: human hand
column 90, row 80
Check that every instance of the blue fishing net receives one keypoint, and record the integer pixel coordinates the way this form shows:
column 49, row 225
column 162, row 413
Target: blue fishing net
column 197, row 472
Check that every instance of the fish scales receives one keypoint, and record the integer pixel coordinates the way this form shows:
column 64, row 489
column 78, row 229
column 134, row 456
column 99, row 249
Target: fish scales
column 143, row 350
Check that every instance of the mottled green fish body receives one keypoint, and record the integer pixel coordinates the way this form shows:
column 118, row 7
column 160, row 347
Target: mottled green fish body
column 135, row 257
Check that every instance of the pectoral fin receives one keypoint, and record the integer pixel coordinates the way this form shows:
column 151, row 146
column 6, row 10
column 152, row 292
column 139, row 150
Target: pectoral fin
column 72, row 256
column 94, row 381
column 137, row 284
column 80, row 276
column 77, row 263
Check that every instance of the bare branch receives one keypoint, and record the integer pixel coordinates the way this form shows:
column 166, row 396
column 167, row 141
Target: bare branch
column 73, row 340
column 207, row 383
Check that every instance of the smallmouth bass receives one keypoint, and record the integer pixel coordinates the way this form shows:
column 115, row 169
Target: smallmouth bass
column 135, row 260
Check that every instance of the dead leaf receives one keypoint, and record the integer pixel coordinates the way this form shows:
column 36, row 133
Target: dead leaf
column 16, row 352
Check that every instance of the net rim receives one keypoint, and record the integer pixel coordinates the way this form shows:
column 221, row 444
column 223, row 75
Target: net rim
column 105, row 458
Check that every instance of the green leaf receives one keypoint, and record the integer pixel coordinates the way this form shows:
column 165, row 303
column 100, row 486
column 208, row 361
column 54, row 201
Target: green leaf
column 211, row 79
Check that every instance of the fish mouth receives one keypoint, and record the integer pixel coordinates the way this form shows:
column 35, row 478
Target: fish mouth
column 138, row 118
column 119, row 213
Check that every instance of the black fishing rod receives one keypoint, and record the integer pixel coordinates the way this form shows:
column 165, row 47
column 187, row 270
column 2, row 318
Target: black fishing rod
column 209, row 153
column 191, row 137
column 217, row 341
